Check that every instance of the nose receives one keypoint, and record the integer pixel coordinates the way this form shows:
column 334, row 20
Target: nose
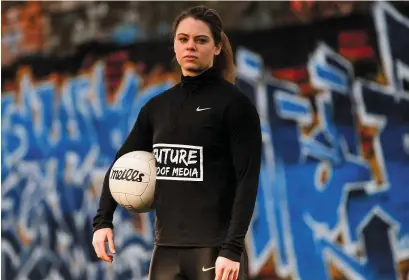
column 190, row 45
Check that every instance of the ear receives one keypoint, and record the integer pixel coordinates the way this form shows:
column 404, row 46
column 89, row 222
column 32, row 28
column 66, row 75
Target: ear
column 218, row 49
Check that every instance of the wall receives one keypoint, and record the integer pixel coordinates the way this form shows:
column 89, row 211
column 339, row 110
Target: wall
column 333, row 200
column 31, row 28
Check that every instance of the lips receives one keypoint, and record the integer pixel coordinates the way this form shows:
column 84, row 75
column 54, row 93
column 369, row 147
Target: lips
column 190, row 57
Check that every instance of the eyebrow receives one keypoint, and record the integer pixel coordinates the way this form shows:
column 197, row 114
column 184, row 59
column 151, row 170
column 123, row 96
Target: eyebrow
column 202, row 35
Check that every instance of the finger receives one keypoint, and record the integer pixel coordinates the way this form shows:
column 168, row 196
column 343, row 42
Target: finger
column 103, row 253
column 234, row 275
column 111, row 243
column 97, row 250
column 219, row 273
column 226, row 274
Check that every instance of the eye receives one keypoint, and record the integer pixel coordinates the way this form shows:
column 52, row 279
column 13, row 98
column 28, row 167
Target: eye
column 183, row 39
column 202, row 41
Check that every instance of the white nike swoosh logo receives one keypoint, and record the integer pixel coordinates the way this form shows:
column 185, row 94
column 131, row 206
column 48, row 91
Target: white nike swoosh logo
column 207, row 269
column 198, row 109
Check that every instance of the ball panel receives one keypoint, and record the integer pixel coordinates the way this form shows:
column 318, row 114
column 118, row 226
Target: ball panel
column 116, row 197
column 127, row 155
column 149, row 194
column 124, row 174
column 139, row 154
column 137, row 204
column 132, row 188
column 152, row 166
column 147, row 207
column 122, row 199
column 142, row 155
column 148, row 197
column 135, row 201
column 133, row 163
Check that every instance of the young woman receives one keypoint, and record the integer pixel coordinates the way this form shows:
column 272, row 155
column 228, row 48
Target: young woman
column 203, row 209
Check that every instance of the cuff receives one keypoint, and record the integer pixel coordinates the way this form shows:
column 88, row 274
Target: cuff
column 103, row 225
column 231, row 255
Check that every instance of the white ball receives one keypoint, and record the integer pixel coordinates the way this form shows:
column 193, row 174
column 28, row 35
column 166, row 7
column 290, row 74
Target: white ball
column 132, row 181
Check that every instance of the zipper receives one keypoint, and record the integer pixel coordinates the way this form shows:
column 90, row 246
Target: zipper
column 180, row 108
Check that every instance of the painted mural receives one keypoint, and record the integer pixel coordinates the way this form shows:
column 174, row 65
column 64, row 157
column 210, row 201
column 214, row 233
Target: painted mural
column 333, row 201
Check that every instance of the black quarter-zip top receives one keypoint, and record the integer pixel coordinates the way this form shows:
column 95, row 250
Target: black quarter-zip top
column 206, row 138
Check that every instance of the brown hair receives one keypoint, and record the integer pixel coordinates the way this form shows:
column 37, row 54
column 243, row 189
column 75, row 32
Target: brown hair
column 224, row 62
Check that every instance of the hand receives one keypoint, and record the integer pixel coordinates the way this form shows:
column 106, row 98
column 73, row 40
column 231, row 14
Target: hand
column 226, row 269
column 99, row 239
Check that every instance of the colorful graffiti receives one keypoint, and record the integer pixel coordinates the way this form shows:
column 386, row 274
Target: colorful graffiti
column 57, row 140
column 331, row 204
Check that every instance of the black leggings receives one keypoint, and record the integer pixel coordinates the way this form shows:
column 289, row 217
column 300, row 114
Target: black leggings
column 179, row 263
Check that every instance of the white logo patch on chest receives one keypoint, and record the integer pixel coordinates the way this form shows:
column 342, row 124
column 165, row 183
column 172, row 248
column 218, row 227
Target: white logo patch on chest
column 178, row 162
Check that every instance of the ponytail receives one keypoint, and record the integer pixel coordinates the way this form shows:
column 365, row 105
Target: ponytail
column 227, row 66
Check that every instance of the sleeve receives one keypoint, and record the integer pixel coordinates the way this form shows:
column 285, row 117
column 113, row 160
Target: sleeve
column 139, row 139
column 243, row 126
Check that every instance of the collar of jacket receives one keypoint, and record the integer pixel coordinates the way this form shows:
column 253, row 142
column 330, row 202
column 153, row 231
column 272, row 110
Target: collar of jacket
column 206, row 77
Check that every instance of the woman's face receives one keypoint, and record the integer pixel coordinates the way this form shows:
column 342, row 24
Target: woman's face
column 194, row 46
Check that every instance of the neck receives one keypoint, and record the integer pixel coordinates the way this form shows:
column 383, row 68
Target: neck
column 194, row 73
column 207, row 76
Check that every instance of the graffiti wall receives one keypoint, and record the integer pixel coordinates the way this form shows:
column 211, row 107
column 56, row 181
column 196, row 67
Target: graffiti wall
column 333, row 200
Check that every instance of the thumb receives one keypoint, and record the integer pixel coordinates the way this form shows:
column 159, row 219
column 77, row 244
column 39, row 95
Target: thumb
column 219, row 272
column 111, row 242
